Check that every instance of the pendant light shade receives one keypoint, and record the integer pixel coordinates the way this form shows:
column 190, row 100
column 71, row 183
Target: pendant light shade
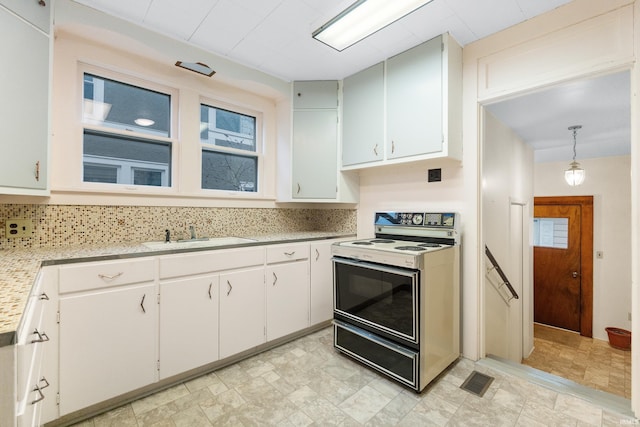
column 575, row 174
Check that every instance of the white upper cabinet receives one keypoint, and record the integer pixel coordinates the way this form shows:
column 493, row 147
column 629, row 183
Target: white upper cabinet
column 37, row 12
column 406, row 109
column 414, row 101
column 315, row 146
column 363, row 116
column 24, row 106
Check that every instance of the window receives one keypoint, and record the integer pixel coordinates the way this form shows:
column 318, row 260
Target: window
column 127, row 133
column 230, row 154
column 551, row 232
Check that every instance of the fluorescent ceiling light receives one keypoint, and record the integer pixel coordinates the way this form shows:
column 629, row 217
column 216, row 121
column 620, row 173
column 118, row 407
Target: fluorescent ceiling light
column 362, row 19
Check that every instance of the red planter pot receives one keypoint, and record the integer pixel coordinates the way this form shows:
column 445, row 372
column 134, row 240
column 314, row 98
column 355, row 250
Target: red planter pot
column 619, row 338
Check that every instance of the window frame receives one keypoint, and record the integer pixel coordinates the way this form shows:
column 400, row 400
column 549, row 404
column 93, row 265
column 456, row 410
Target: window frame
column 259, row 152
column 172, row 141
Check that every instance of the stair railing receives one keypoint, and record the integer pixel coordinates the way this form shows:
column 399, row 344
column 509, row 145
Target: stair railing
column 505, row 282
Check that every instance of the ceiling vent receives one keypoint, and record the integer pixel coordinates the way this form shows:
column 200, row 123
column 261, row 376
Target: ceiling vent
column 196, row 67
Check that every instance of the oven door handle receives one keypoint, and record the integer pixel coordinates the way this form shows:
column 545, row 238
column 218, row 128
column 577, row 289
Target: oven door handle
column 372, row 337
column 388, row 269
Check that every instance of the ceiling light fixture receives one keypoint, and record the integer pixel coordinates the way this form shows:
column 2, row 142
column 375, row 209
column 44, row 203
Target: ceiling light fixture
column 575, row 174
column 196, row 67
column 363, row 18
column 144, row 122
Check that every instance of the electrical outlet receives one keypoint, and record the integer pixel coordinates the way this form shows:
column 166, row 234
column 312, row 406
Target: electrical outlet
column 18, row 227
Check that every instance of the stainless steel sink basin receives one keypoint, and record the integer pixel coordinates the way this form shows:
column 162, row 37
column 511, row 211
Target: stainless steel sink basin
column 197, row 243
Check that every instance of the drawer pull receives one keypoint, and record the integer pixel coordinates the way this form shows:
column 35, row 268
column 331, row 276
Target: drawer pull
column 44, row 296
column 110, row 277
column 142, row 303
column 275, row 279
column 42, row 337
column 39, row 390
column 290, row 253
column 210, row 285
column 230, row 288
column 317, row 254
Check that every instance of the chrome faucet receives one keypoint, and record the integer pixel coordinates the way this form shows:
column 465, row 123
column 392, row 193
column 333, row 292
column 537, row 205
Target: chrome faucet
column 192, row 230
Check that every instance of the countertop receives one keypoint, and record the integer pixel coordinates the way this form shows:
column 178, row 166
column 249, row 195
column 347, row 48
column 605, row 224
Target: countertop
column 19, row 267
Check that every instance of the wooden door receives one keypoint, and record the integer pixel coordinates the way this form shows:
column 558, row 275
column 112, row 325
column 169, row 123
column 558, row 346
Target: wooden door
column 563, row 263
column 557, row 269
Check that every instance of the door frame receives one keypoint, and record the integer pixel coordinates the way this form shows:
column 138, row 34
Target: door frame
column 586, row 254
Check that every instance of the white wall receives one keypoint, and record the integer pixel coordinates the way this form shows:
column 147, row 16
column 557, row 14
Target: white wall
column 507, row 177
column 609, row 182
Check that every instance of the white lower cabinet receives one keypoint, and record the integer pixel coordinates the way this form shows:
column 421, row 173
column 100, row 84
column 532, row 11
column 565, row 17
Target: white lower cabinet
column 321, row 282
column 108, row 344
column 241, row 311
column 188, row 324
column 287, row 298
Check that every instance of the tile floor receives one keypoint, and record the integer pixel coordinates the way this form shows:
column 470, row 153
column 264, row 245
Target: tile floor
column 587, row 361
column 305, row 382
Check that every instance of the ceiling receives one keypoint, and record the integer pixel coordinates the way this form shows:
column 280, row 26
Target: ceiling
column 274, row 36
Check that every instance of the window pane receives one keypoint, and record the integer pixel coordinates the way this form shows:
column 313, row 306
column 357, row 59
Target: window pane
column 227, row 129
column 224, row 171
column 140, row 162
column 121, row 106
column 100, row 173
column 551, row 232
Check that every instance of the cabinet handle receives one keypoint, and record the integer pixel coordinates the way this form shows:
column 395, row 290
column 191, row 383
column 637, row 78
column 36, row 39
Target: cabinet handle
column 275, row 279
column 317, row 254
column 230, row 288
column 375, row 150
column 38, row 170
column 108, row 277
column 42, row 337
column 393, row 147
column 44, row 296
column 210, row 285
column 290, row 253
column 142, row 303
column 39, row 390
column 298, row 192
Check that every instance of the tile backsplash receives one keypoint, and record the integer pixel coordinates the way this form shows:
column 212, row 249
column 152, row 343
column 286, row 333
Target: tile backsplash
column 60, row 225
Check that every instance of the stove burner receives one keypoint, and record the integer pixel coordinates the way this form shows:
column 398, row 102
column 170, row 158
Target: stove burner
column 429, row 245
column 382, row 241
column 409, row 248
column 362, row 243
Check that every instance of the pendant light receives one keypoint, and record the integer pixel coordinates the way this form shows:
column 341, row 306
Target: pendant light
column 575, row 174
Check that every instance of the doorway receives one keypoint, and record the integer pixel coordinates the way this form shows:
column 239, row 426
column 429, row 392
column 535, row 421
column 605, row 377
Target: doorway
column 563, row 263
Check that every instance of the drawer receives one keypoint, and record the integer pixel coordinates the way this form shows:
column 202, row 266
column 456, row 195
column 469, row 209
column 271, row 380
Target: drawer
column 96, row 275
column 210, row 261
column 30, row 350
column 287, row 252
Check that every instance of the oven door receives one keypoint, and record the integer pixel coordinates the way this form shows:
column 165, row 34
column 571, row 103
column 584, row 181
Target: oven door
column 379, row 298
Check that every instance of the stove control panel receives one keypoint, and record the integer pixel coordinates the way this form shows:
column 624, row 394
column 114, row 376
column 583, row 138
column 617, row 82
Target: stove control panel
column 416, row 219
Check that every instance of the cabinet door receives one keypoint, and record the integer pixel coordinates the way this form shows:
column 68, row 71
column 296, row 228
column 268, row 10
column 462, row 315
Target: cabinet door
column 321, row 298
column 188, row 324
column 39, row 14
column 315, row 94
column 241, row 311
column 414, row 101
column 108, row 344
column 315, row 155
column 287, row 298
column 24, row 105
column 363, row 116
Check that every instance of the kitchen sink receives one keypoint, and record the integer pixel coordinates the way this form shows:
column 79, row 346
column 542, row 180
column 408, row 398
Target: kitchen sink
column 197, row 243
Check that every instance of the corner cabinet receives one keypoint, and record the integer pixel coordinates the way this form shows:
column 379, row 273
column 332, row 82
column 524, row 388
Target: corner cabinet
column 417, row 95
column 315, row 175
column 25, row 104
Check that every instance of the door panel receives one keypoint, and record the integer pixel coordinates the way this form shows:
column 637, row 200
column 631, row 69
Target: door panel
column 557, row 278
